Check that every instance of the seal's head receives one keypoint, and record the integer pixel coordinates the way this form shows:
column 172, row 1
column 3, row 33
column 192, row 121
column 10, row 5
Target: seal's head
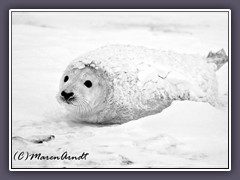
column 83, row 90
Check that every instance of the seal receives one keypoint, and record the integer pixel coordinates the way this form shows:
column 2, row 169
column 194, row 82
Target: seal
column 120, row 83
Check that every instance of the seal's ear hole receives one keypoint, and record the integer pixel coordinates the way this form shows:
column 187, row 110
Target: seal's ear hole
column 88, row 83
column 66, row 78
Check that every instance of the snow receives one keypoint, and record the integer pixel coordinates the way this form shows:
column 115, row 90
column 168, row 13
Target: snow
column 222, row 80
column 187, row 134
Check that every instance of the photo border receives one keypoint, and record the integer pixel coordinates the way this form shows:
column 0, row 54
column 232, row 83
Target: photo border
column 120, row 10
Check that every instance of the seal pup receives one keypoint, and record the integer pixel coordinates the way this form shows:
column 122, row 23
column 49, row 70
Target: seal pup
column 120, row 83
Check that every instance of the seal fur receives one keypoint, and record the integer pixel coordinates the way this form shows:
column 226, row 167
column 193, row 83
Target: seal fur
column 133, row 82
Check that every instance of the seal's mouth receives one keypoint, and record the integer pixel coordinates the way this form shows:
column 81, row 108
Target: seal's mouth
column 76, row 104
column 68, row 101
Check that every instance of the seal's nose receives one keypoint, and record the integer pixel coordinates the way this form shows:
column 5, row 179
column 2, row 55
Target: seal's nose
column 66, row 95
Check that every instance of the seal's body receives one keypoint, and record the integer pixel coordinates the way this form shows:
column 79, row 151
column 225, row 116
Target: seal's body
column 118, row 83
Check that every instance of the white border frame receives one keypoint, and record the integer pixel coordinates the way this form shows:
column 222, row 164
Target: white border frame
column 123, row 10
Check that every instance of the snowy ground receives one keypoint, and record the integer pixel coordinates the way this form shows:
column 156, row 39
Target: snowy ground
column 187, row 134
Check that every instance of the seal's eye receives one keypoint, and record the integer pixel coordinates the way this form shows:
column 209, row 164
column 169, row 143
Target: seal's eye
column 66, row 78
column 88, row 83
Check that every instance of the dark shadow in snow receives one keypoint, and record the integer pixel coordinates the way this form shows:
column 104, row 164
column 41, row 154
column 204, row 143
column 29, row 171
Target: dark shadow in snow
column 125, row 161
column 73, row 123
column 34, row 139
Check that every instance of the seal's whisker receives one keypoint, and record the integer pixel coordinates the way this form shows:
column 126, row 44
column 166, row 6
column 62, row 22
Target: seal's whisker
column 80, row 107
column 83, row 106
column 87, row 106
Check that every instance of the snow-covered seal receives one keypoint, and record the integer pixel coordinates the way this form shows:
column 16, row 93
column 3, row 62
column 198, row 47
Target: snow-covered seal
column 119, row 83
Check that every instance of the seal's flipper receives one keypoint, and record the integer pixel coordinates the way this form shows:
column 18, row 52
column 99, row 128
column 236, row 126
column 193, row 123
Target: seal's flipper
column 219, row 58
